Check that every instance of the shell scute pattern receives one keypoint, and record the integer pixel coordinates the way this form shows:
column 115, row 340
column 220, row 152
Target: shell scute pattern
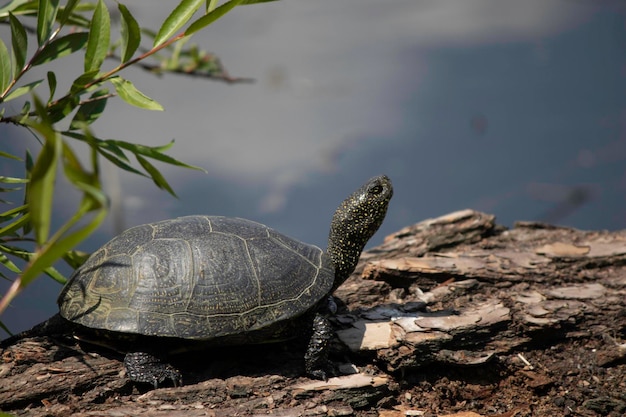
column 196, row 277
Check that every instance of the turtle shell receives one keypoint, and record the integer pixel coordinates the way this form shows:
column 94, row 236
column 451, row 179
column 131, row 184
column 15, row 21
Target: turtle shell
column 196, row 277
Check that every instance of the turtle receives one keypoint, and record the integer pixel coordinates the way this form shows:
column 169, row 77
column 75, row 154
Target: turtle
column 218, row 280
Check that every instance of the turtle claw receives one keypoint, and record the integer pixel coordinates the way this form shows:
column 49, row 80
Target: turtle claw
column 318, row 374
column 143, row 367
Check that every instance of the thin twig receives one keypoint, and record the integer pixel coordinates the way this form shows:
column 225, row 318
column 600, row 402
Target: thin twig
column 523, row 359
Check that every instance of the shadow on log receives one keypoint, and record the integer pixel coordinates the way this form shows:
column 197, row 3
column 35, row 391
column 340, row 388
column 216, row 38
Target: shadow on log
column 452, row 316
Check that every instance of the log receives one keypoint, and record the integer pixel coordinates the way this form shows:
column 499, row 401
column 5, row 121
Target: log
column 451, row 316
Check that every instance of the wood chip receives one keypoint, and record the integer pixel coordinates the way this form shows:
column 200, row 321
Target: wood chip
column 578, row 292
column 562, row 250
column 343, row 382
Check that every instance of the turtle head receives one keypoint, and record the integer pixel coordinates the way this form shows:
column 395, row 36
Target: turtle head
column 355, row 222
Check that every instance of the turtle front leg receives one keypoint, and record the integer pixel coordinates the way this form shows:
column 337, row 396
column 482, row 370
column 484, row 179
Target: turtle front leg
column 146, row 368
column 316, row 357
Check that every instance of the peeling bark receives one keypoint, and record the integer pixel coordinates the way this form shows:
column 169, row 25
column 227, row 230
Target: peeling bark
column 451, row 315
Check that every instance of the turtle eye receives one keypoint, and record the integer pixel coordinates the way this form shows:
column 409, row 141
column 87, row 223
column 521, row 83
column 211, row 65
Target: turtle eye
column 376, row 189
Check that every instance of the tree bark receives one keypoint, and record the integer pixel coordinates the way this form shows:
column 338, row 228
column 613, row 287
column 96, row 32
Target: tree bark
column 450, row 316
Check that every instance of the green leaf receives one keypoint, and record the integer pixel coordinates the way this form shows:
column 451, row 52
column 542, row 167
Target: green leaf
column 155, row 174
column 99, row 38
column 93, row 198
column 81, row 82
column 41, row 111
column 55, row 275
column 177, row 19
column 28, row 256
column 17, row 252
column 19, row 42
column 9, row 265
column 210, row 5
column 153, row 152
column 107, row 149
column 41, row 187
column 97, row 143
column 28, row 167
column 25, row 112
column 77, row 20
column 12, row 227
column 5, row 67
column 131, row 33
column 162, row 148
column 61, row 47
column 66, row 13
column 52, row 84
column 26, row 8
column 120, row 163
column 13, row 180
column 72, row 168
column 12, row 5
column 64, row 239
column 10, row 156
column 12, row 213
column 90, row 111
column 19, row 91
column 8, row 190
column 62, row 108
column 55, row 250
column 210, row 17
column 129, row 93
column 28, row 163
column 46, row 15
column 75, row 258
